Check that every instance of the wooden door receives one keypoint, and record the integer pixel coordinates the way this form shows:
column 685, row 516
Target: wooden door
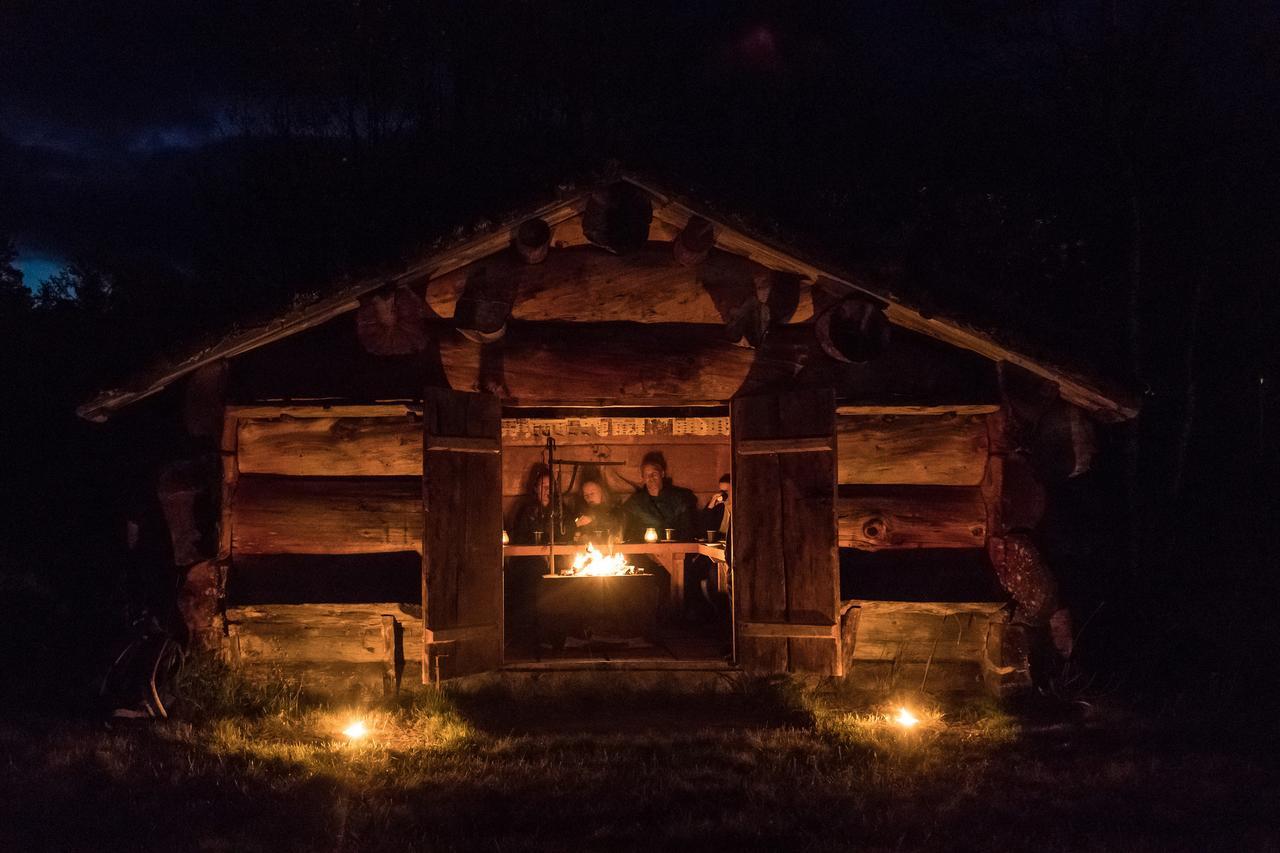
column 786, row 564
column 462, row 537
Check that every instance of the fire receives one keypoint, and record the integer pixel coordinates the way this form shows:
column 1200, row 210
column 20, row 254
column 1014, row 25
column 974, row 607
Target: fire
column 906, row 719
column 592, row 563
column 356, row 730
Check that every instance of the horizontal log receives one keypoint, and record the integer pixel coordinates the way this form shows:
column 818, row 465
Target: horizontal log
column 337, row 447
column 897, row 411
column 586, row 284
column 871, row 519
column 788, row 629
column 295, row 633
column 613, row 364
column 295, row 515
column 321, row 410
column 463, row 444
column 764, row 446
column 919, row 631
column 920, row 450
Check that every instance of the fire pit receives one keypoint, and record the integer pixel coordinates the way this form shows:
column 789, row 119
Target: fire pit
column 599, row 598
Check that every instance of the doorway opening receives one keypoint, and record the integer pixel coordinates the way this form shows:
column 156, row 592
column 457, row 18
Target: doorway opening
column 601, row 566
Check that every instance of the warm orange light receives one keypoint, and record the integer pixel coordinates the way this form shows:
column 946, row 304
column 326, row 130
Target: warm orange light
column 906, row 719
column 651, row 535
column 506, row 540
column 356, row 730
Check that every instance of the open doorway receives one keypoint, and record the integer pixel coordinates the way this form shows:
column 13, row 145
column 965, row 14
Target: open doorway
column 602, row 565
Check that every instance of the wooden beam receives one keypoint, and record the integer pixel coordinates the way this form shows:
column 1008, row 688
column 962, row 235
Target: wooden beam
column 587, row 284
column 877, row 518
column 941, row 410
column 612, row 363
column 912, row 449
column 332, row 447
column 462, row 444
column 321, row 410
column 788, row 629
column 295, row 515
column 760, row 446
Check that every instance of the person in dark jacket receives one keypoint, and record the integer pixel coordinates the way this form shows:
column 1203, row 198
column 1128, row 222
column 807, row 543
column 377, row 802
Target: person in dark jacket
column 659, row 504
column 534, row 512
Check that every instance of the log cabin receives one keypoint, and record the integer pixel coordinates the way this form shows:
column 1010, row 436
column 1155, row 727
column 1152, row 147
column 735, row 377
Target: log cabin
column 372, row 445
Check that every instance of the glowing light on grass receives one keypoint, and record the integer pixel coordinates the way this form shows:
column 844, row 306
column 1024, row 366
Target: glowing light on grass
column 356, row 730
column 906, row 719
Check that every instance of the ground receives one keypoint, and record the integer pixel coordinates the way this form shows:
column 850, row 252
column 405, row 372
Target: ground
column 752, row 766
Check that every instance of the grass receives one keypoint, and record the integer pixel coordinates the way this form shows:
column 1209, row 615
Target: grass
column 765, row 766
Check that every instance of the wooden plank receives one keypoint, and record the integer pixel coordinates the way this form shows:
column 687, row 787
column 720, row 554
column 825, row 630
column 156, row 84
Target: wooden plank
column 936, row 410
column 645, row 286
column 319, row 633
column 787, row 629
column 919, row 450
column 462, row 632
column 918, row 631
column 267, row 411
column 463, row 444
column 227, row 448
column 784, row 532
column 335, row 447
column 595, row 364
column 872, row 518
column 462, row 553
column 755, row 447
column 316, row 515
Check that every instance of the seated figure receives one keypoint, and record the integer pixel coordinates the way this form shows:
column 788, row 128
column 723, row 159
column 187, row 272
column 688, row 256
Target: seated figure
column 659, row 504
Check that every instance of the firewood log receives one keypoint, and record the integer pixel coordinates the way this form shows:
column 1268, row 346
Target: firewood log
column 853, row 331
column 617, row 218
column 533, row 241
column 694, row 243
column 392, row 323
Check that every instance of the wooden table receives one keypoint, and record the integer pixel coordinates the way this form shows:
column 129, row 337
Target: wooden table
column 664, row 552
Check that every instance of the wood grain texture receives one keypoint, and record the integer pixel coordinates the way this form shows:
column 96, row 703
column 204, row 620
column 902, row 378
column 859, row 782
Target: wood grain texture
column 318, row 515
column 318, row 633
column 587, row 284
column 784, row 531
column 336, row 447
column 880, row 517
column 908, row 631
column 612, row 364
column 919, row 450
column 462, row 553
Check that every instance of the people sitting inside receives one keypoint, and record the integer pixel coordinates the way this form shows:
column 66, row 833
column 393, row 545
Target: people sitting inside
column 598, row 517
column 718, row 512
column 705, row 602
column 533, row 515
column 658, row 504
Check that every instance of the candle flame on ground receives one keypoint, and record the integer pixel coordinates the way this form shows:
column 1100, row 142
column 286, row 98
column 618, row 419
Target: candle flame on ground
column 906, row 719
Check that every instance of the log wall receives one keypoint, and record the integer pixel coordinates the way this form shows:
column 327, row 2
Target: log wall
column 332, row 447
column 323, row 515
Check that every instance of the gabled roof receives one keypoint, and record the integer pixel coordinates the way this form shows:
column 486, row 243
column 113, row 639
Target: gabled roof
column 1105, row 403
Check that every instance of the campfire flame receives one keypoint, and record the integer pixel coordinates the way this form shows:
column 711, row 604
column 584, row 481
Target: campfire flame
column 592, row 563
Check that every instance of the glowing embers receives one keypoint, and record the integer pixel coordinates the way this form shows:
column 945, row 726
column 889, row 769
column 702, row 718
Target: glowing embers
column 591, row 563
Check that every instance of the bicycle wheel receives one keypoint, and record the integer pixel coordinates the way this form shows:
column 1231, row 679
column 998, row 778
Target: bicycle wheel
column 165, row 670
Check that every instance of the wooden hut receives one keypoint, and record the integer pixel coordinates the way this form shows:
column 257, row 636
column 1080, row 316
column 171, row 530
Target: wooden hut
column 372, row 442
